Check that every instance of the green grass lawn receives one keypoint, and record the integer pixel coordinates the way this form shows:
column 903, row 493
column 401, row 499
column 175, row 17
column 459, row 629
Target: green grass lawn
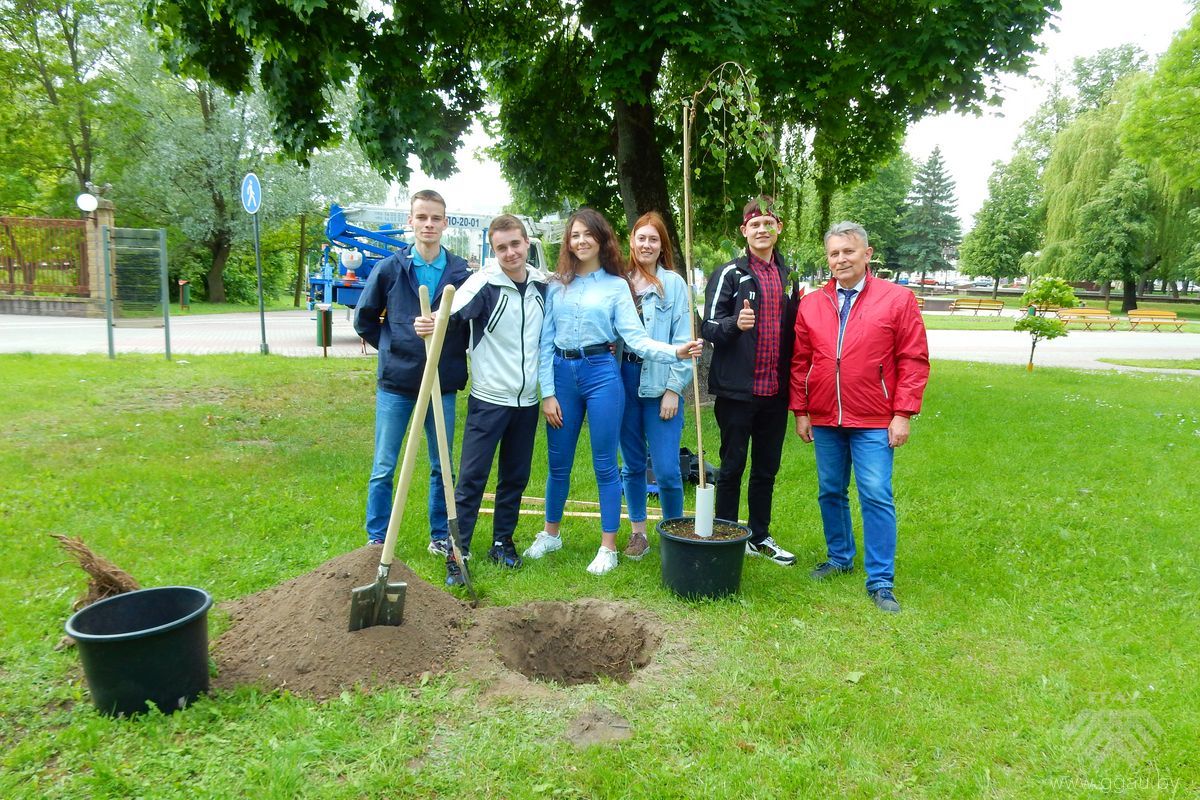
column 283, row 302
column 1156, row 363
column 1047, row 568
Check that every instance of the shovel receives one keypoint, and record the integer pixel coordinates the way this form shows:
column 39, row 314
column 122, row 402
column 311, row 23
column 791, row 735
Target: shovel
column 382, row 603
column 439, row 423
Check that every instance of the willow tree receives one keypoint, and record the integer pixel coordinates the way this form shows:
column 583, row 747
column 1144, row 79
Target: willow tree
column 1084, row 157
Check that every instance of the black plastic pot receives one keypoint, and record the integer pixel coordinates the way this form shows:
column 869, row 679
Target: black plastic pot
column 698, row 568
column 145, row 646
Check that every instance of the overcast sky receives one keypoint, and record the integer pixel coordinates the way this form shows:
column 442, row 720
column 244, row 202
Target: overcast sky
column 969, row 144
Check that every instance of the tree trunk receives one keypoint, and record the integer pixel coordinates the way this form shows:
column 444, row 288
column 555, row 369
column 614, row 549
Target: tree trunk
column 996, row 288
column 1175, row 289
column 299, row 265
column 1129, row 295
column 641, row 174
column 1107, row 294
column 215, row 279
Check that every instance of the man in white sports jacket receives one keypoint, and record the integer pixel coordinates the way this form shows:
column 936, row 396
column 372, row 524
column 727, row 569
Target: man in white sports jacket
column 504, row 306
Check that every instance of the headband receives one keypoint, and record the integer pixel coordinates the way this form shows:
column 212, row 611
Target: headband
column 752, row 213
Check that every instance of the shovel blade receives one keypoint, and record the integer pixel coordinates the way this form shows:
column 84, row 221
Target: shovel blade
column 379, row 603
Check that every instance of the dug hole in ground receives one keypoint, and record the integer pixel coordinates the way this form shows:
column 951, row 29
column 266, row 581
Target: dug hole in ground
column 294, row 637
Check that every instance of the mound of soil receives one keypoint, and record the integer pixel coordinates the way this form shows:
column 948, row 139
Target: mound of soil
column 293, row 636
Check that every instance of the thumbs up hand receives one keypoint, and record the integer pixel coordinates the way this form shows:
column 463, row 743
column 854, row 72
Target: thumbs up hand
column 745, row 317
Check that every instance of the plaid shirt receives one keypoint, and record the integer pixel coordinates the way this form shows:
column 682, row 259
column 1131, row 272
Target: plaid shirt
column 768, row 315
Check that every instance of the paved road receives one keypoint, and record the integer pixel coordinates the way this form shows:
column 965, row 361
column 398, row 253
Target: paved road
column 293, row 333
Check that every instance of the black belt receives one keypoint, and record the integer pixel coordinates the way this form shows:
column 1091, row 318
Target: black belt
column 632, row 357
column 590, row 350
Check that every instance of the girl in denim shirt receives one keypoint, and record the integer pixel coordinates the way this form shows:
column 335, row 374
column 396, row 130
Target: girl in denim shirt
column 653, row 415
column 588, row 307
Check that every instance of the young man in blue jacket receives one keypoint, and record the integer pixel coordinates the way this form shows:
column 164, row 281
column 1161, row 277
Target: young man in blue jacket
column 503, row 305
column 384, row 318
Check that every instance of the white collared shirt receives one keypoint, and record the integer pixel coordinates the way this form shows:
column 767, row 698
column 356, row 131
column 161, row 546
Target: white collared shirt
column 858, row 287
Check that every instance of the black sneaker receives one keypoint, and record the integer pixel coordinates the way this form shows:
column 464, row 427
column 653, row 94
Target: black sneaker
column 454, row 575
column 885, row 601
column 768, row 549
column 439, row 547
column 827, row 568
column 504, row 553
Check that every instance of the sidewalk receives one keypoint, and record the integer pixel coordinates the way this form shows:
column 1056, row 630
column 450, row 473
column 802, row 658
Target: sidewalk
column 289, row 333
column 294, row 333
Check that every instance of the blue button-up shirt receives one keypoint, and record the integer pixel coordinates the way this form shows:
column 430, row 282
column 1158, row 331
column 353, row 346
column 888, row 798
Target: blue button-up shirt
column 593, row 309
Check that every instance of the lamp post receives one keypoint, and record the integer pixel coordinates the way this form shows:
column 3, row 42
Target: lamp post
column 88, row 204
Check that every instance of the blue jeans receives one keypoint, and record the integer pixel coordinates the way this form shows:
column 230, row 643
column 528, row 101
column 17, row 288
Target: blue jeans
column 392, row 414
column 588, row 386
column 867, row 451
column 641, row 425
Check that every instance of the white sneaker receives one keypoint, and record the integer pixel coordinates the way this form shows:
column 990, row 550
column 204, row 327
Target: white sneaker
column 605, row 561
column 543, row 543
column 768, row 549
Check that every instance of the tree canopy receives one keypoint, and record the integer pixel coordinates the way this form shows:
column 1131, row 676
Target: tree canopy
column 1008, row 224
column 588, row 89
column 1163, row 125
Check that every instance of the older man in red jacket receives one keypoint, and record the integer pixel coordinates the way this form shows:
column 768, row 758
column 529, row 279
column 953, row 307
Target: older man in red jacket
column 859, row 369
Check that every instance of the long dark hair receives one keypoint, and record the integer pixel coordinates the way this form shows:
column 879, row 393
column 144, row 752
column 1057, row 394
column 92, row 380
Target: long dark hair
column 606, row 241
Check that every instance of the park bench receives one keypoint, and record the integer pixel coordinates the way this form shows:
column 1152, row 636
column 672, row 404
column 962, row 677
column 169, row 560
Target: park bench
column 1155, row 319
column 975, row 305
column 1089, row 317
column 1044, row 309
column 920, row 302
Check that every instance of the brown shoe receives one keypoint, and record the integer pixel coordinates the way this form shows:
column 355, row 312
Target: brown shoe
column 637, row 547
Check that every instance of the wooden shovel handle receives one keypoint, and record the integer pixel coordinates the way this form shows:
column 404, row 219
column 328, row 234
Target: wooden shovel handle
column 439, row 414
column 428, row 376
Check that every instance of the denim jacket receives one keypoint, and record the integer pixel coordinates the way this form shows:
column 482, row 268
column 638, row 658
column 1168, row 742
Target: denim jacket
column 665, row 317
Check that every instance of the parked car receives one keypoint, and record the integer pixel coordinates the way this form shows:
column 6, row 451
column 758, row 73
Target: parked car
column 984, row 282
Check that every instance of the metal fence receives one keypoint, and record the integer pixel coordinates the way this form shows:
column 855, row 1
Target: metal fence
column 135, row 281
column 43, row 256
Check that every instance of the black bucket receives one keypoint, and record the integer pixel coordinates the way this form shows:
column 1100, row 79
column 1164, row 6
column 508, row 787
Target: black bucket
column 145, row 646
column 699, row 568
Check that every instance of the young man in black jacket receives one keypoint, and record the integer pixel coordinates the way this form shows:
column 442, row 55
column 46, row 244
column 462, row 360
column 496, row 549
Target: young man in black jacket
column 749, row 313
column 384, row 318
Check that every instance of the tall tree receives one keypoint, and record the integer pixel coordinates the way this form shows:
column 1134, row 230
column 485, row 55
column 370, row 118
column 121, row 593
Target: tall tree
column 1050, row 119
column 878, row 205
column 1116, row 231
column 58, row 55
column 1008, row 224
column 1082, row 165
column 594, row 73
column 1163, row 124
column 1096, row 75
column 181, row 147
column 930, row 230
column 1084, row 154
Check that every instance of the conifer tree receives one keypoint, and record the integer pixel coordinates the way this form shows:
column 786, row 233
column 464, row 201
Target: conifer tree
column 930, row 230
